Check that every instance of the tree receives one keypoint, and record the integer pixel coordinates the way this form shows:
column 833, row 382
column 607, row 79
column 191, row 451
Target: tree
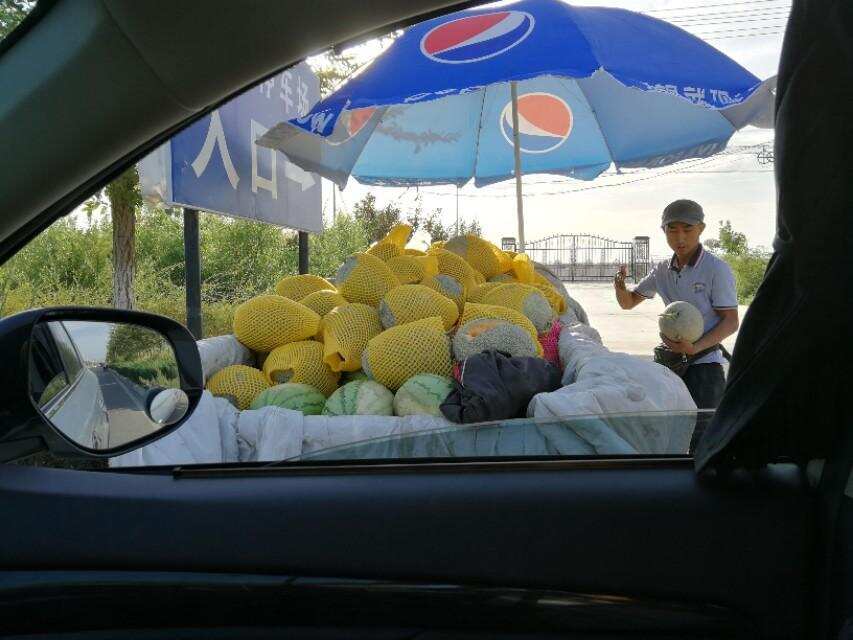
column 335, row 69
column 748, row 265
column 730, row 242
column 123, row 194
column 12, row 12
column 376, row 222
column 431, row 223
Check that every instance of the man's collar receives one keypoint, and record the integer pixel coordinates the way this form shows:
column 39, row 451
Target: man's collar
column 694, row 259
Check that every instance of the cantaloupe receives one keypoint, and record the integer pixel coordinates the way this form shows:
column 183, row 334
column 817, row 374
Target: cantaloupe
column 483, row 334
column 360, row 397
column 292, row 395
column 682, row 322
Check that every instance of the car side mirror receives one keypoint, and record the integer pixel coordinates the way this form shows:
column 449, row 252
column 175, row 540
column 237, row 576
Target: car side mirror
column 95, row 383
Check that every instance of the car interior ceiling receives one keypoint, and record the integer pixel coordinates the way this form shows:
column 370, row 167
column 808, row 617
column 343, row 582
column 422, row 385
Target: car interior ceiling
column 130, row 78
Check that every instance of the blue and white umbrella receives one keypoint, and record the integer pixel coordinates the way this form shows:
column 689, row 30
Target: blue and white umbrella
column 589, row 87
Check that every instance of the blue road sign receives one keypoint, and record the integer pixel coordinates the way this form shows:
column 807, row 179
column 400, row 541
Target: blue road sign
column 215, row 165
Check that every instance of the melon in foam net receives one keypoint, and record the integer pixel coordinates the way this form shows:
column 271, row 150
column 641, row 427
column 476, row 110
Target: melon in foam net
column 483, row 334
column 360, row 397
column 682, row 322
column 292, row 395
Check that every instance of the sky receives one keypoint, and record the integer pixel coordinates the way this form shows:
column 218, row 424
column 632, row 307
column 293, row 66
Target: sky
column 734, row 186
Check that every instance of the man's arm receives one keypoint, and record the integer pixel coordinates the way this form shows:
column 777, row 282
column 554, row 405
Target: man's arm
column 626, row 299
column 727, row 325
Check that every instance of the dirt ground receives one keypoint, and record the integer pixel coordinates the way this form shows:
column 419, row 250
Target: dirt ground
column 634, row 331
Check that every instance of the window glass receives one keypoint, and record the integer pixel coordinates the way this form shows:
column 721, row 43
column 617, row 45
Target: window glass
column 448, row 310
column 12, row 12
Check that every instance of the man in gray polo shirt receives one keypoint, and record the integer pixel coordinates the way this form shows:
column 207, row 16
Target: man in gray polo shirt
column 699, row 277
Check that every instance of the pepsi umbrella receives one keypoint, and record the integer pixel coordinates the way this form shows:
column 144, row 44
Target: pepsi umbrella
column 538, row 86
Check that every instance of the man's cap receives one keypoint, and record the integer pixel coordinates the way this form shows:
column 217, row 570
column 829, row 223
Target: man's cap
column 686, row 211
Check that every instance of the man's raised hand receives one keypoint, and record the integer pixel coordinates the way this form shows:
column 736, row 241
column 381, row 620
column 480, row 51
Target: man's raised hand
column 619, row 279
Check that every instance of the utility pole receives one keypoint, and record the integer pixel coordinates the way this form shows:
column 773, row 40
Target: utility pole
column 457, row 210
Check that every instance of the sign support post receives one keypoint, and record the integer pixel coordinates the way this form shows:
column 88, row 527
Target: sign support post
column 192, row 272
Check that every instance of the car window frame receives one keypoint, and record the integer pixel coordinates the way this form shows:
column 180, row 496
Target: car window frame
column 58, row 330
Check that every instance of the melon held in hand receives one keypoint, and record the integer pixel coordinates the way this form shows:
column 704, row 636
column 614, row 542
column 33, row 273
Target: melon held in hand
column 681, row 322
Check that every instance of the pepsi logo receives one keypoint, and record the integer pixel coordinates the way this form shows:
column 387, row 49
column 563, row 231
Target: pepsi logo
column 544, row 122
column 350, row 123
column 476, row 38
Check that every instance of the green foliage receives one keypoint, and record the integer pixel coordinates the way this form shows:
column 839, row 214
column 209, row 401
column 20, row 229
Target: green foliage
column 162, row 372
column 243, row 258
column 142, row 355
column 129, row 342
column 749, row 271
column 377, row 222
column 327, row 250
column 12, row 12
column 437, row 230
column 729, row 242
column 123, row 192
column 71, row 261
column 335, row 69
column 747, row 264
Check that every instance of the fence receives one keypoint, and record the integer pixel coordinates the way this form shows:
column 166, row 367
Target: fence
column 585, row 257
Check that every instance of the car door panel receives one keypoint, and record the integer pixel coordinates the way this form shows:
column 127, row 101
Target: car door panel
column 634, row 529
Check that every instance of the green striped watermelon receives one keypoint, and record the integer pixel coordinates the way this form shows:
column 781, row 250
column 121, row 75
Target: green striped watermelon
column 360, row 397
column 292, row 395
column 351, row 376
column 422, row 395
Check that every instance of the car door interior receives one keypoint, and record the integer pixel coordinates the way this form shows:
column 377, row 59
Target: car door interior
column 576, row 548
column 624, row 546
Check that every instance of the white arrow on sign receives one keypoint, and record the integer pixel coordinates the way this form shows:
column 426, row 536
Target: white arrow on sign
column 215, row 137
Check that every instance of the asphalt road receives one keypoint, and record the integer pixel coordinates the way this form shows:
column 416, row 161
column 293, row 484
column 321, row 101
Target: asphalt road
column 125, row 403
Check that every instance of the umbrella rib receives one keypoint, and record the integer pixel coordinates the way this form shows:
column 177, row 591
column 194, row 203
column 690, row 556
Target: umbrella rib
column 477, row 137
column 595, row 118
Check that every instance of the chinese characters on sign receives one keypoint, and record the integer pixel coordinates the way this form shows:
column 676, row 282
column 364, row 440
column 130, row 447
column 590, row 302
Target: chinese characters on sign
column 216, row 166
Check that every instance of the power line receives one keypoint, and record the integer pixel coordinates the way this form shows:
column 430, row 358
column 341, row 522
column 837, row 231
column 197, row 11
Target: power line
column 714, row 23
column 687, row 169
column 729, row 14
column 700, row 162
column 740, row 150
column 746, row 35
column 740, row 3
column 742, row 30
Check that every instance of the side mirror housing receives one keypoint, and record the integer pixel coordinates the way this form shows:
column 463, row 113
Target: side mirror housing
column 93, row 383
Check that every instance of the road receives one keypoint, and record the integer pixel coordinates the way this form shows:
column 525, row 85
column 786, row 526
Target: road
column 125, row 403
column 634, row 331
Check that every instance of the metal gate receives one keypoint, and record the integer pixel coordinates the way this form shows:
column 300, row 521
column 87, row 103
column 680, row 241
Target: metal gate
column 585, row 257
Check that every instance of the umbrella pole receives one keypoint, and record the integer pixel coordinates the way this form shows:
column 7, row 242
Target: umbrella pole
column 516, row 145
